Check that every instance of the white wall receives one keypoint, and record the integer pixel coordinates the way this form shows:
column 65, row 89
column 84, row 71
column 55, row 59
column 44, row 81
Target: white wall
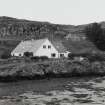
column 17, row 54
column 46, row 51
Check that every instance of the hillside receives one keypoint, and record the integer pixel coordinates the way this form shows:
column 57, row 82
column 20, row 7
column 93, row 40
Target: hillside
column 13, row 30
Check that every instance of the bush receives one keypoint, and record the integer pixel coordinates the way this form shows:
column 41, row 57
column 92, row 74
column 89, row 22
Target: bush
column 92, row 57
column 35, row 58
column 5, row 55
column 28, row 54
column 70, row 56
column 96, row 57
column 44, row 58
column 78, row 57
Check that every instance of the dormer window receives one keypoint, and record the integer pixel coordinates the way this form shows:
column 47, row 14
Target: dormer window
column 49, row 46
column 44, row 46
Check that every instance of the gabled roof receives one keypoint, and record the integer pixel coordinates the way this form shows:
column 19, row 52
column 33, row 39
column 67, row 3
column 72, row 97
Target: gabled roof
column 27, row 46
column 33, row 45
column 36, row 44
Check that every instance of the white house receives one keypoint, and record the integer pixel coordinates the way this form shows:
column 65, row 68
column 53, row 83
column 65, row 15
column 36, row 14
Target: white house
column 41, row 47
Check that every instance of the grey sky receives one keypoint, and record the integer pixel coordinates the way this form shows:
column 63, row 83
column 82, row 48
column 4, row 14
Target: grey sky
column 55, row 11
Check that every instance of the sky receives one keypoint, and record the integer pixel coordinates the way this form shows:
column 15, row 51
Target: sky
column 73, row 12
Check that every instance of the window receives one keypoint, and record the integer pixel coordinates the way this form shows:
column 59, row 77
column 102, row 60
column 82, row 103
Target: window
column 44, row 46
column 49, row 46
column 53, row 55
column 19, row 54
column 61, row 55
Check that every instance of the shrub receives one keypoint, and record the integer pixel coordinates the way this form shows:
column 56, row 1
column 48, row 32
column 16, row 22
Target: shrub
column 73, row 55
column 97, row 68
column 70, row 56
column 92, row 57
column 43, row 57
column 28, row 54
column 96, row 57
column 35, row 58
column 5, row 55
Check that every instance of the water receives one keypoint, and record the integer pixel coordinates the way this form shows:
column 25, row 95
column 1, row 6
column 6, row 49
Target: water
column 68, row 91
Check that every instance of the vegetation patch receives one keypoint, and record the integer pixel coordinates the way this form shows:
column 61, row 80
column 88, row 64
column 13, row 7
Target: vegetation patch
column 27, row 68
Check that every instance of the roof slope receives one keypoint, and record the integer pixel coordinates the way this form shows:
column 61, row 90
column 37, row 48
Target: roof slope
column 33, row 45
column 28, row 46
column 59, row 46
column 36, row 44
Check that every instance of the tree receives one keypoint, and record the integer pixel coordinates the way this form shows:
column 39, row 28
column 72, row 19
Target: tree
column 95, row 33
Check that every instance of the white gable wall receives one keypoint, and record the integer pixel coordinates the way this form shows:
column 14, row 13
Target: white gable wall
column 47, row 51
